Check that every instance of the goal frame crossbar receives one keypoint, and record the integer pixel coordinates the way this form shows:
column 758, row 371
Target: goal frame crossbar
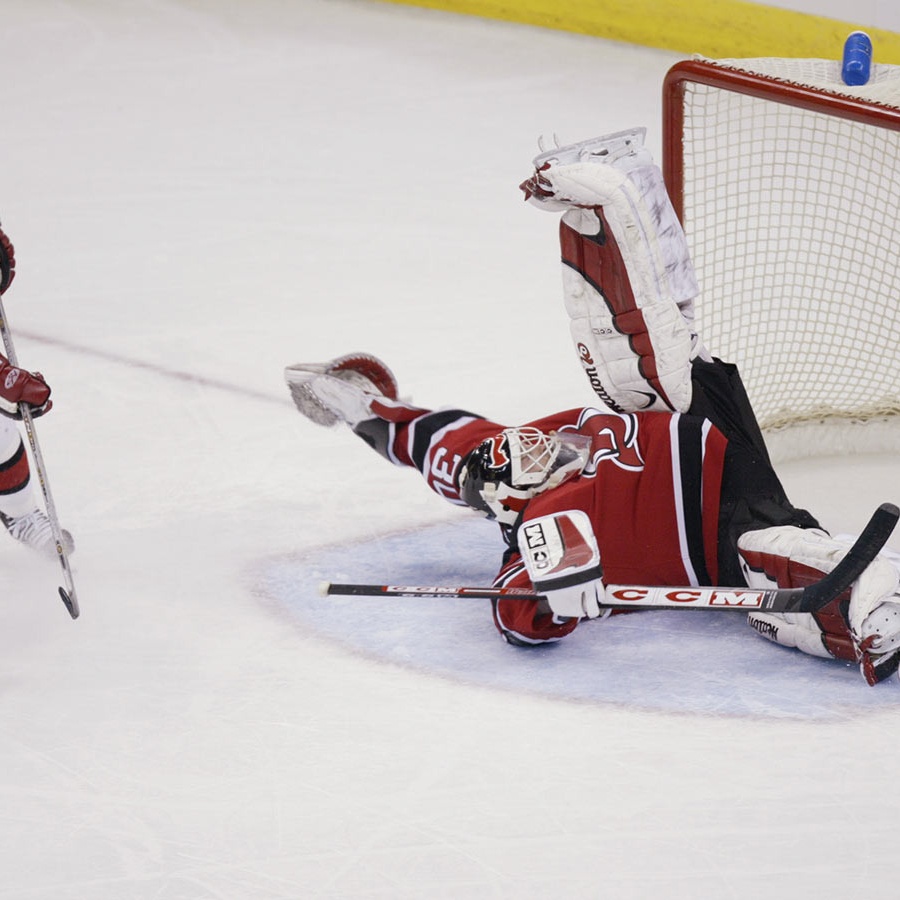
column 753, row 84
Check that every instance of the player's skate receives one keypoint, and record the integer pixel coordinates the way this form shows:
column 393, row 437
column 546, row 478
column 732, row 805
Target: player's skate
column 340, row 390
column 621, row 147
column 628, row 279
column 874, row 616
column 34, row 530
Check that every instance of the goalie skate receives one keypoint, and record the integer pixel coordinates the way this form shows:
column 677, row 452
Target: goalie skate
column 308, row 384
column 606, row 149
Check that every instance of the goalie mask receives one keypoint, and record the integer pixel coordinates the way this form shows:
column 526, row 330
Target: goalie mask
column 503, row 473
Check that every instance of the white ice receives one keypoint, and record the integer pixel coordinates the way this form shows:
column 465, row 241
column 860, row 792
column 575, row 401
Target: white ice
column 202, row 192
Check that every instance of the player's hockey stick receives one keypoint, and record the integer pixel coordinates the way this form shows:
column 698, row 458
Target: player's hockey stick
column 808, row 599
column 67, row 593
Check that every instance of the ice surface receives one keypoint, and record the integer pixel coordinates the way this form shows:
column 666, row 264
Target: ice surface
column 700, row 662
column 203, row 192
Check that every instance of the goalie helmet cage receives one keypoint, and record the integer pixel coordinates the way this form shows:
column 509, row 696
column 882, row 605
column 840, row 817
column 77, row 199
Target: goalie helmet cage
column 787, row 183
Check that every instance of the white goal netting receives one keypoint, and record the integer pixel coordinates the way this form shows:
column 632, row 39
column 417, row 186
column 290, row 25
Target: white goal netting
column 792, row 213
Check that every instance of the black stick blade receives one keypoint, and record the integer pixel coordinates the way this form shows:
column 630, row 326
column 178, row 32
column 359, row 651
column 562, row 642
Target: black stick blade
column 857, row 559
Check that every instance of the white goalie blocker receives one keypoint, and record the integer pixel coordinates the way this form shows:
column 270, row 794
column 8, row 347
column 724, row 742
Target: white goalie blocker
column 561, row 555
column 628, row 279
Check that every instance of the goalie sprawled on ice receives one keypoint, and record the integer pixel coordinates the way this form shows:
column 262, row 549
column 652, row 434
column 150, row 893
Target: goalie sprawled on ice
column 667, row 483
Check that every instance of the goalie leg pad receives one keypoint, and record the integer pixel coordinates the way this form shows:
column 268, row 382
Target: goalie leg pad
column 797, row 630
column 628, row 280
column 862, row 625
column 790, row 557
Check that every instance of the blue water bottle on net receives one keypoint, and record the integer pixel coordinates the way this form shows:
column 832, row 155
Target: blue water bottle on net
column 857, row 63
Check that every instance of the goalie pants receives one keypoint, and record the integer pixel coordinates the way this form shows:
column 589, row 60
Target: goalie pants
column 752, row 496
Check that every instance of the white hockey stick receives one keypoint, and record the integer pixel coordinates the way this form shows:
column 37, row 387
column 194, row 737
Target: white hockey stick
column 632, row 596
column 67, row 593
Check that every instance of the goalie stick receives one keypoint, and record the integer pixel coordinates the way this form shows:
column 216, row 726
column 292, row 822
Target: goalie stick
column 619, row 596
column 67, row 594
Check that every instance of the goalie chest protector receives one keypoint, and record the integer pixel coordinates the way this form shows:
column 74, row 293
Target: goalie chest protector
column 651, row 490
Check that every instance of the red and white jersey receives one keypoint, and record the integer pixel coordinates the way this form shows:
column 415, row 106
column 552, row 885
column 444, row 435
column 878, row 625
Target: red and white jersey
column 651, row 490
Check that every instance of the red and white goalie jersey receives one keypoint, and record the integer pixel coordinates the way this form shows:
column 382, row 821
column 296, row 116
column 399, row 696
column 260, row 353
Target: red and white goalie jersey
column 651, row 490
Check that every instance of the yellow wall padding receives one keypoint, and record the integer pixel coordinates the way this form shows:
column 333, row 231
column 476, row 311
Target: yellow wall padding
column 714, row 28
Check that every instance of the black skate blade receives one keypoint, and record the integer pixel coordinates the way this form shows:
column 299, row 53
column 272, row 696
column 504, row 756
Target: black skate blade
column 70, row 602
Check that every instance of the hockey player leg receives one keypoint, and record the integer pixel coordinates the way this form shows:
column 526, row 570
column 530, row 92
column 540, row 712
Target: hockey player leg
column 862, row 626
column 20, row 511
column 628, row 280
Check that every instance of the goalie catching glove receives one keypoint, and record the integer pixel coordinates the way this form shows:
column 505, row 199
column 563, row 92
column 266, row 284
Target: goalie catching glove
column 861, row 626
column 563, row 561
column 357, row 389
column 340, row 390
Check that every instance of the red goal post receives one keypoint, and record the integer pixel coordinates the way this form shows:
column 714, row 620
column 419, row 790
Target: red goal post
column 788, row 186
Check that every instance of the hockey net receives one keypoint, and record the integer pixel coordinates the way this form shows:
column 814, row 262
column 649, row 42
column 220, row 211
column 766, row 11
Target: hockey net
column 788, row 185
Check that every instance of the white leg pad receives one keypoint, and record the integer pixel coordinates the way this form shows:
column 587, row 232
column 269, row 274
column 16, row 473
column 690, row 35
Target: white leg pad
column 874, row 611
column 797, row 630
column 630, row 292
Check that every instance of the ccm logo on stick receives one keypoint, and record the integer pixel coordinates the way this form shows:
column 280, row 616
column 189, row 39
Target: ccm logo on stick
column 686, row 596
